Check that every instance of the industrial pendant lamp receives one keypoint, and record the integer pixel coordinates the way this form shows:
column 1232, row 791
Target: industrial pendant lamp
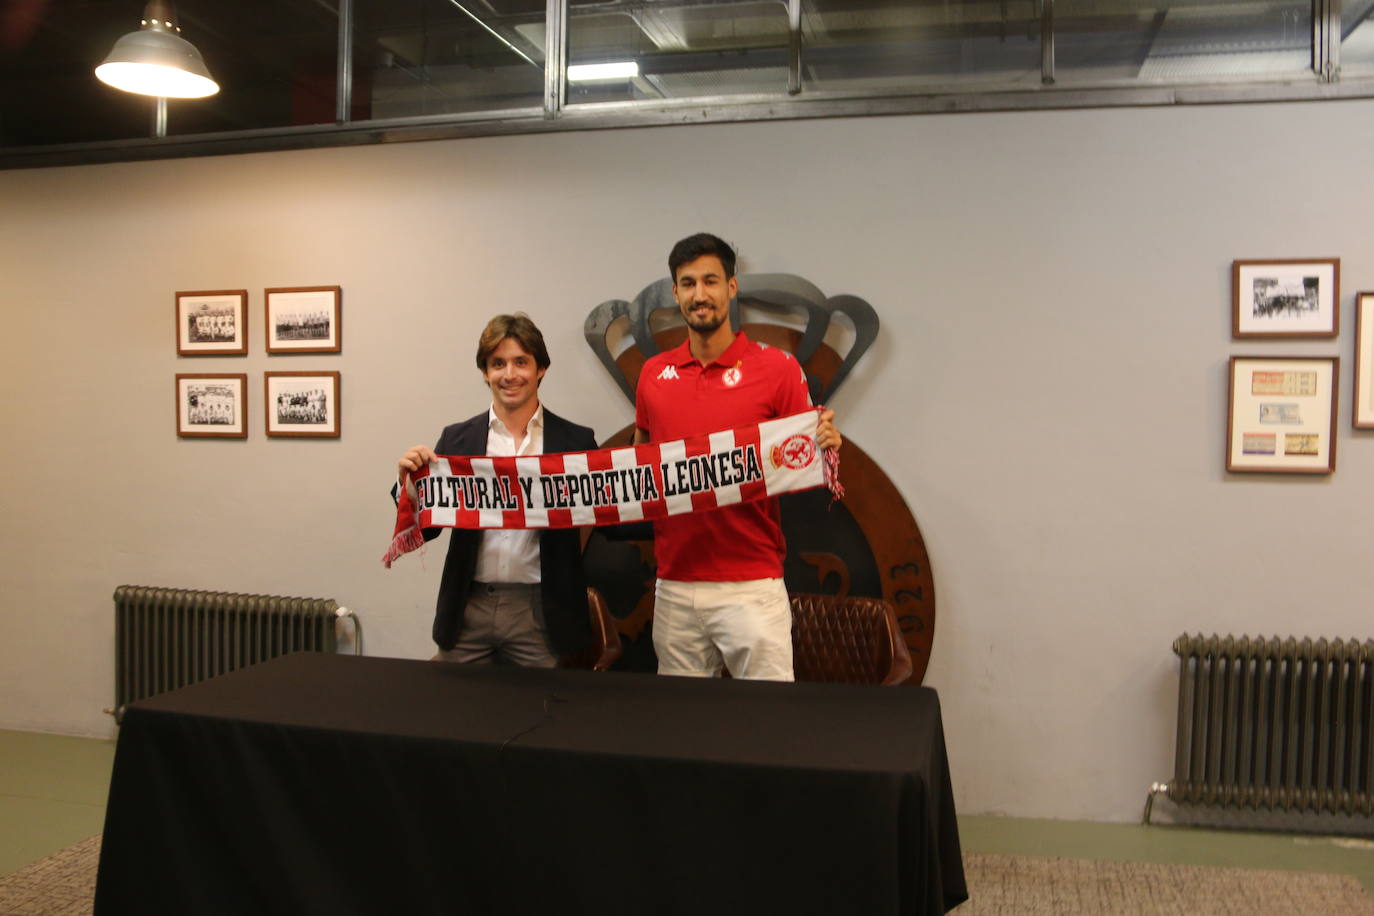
column 156, row 61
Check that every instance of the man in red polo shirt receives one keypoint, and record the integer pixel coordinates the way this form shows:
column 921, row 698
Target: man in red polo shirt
column 720, row 597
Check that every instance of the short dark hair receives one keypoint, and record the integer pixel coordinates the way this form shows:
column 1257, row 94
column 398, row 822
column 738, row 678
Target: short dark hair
column 699, row 245
column 518, row 327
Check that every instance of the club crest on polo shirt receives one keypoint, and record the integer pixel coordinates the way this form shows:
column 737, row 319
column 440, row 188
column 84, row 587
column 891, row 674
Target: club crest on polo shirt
column 732, row 376
column 668, row 372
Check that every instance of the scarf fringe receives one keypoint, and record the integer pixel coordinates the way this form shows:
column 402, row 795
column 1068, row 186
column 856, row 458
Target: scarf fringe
column 404, row 542
column 832, row 475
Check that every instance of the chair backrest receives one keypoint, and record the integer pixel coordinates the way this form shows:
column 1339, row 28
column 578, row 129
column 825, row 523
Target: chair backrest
column 604, row 649
column 848, row 641
column 605, row 637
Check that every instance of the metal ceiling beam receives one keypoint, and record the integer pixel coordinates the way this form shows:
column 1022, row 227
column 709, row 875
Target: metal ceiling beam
column 496, row 34
column 688, row 111
column 794, row 47
column 555, row 58
column 1326, row 39
column 1047, row 42
column 343, row 81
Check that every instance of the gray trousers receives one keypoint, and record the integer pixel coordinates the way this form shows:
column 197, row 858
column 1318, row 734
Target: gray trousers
column 502, row 624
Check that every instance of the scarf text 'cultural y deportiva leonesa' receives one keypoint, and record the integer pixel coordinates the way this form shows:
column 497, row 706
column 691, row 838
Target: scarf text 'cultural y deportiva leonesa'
column 613, row 485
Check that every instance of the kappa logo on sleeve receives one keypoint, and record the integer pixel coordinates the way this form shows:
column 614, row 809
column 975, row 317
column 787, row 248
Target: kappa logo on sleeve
column 669, row 372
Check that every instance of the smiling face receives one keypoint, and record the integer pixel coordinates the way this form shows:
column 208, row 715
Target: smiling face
column 703, row 293
column 513, row 375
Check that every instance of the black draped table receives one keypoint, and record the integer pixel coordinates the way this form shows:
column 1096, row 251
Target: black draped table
column 340, row 785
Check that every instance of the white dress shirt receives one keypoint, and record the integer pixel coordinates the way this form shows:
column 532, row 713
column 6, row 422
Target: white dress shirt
column 511, row 555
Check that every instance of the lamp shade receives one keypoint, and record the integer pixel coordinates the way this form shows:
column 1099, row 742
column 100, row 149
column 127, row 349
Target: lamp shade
column 154, row 61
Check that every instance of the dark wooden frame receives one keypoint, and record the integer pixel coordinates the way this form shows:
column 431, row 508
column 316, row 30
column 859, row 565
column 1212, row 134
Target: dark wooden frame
column 241, row 322
column 333, row 432
column 1335, row 364
column 242, row 378
column 277, row 347
column 1333, row 263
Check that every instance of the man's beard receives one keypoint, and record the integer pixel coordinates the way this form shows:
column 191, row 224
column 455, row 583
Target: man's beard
column 706, row 325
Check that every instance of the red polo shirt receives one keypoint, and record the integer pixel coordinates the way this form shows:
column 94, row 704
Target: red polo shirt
column 679, row 397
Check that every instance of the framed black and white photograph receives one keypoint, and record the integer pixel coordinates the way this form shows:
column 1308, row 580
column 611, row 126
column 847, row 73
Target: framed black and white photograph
column 304, row 319
column 302, row 404
column 212, row 406
column 212, row 323
column 1296, row 298
column 1364, row 361
column 1282, row 414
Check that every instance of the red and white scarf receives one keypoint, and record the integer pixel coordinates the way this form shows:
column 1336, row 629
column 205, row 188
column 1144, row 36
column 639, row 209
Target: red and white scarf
column 613, row 485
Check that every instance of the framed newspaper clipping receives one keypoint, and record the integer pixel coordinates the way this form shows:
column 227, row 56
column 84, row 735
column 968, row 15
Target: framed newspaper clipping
column 1282, row 415
column 211, row 406
column 1297, row 298
column 212, row 323
column 302, row 404
column 1364, row 361
column 304, row 319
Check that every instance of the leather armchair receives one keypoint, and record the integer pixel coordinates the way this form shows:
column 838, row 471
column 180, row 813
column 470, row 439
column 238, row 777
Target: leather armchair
column 847, row 640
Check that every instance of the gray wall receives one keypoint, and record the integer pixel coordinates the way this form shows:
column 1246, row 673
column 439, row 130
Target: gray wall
column 1048, row 391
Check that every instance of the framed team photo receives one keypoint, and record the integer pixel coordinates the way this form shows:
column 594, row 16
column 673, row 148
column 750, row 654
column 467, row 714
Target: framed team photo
column 302, row 404
column 212, row 323
column 304, row 319
column 211, row 406
column 1364, row 361
column 1297, row 298
column 1282, row 414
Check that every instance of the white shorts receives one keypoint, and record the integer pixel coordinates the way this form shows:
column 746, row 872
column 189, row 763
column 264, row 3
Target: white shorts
column 744, row 626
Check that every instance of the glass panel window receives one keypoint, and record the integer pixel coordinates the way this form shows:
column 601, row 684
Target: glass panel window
column 1106, row 41
column 274, row 63
column 676, row 49
column 882, row 45
column 429, row 57
column 1357, row 37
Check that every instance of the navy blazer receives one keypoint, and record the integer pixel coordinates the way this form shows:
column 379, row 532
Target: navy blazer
column 563, row 584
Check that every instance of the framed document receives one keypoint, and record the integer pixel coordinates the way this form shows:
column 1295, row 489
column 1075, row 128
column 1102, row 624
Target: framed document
column 211, row 406
column 304, row 319
column 1298, row 298
column 302, row 404
column 1364, row 361
column 1282, row 414
column 213, row 323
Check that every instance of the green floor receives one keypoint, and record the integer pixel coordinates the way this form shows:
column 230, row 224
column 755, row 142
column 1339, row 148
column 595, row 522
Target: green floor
column 53, row 788
column 52, row 793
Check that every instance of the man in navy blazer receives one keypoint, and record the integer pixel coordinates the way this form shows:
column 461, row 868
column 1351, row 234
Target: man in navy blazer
column 509, row 595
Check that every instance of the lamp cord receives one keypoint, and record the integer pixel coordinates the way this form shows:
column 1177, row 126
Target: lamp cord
column 548, row 717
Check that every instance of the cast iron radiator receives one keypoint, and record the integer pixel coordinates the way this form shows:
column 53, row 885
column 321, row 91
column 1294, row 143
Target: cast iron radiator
column 1275, row 724
column 170, row 637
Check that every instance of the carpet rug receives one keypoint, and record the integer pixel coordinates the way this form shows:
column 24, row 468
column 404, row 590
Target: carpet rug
column 1006, row 885
column 63, row 884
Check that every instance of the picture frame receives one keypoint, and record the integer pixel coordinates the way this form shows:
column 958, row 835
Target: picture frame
column 301, row 405
column 303, row 319
column 212, row 322
column 1281, row 415
column 1363, row 400
column 212, row 405
column 1293, row 298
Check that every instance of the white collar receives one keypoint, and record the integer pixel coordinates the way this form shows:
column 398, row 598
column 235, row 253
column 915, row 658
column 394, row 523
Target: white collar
column 536, row 420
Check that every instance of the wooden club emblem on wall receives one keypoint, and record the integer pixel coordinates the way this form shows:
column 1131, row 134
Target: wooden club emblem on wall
column 867, row 545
